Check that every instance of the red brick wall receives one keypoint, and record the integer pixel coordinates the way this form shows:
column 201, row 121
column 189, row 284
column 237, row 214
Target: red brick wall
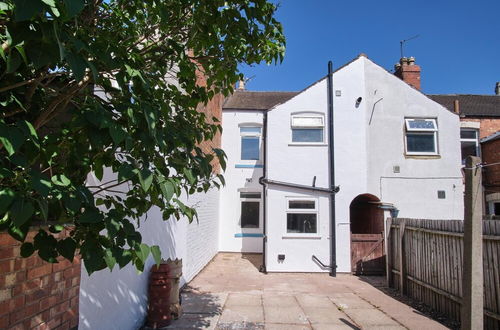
column 212, row 109
column 491, row 154
column 35, row 294
column 488, row 126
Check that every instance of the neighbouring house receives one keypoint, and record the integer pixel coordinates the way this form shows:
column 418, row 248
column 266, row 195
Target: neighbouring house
column 479, row 128
column 395, row 151
column 490, row 148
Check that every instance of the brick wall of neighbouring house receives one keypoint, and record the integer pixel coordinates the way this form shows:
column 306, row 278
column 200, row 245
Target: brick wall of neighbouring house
column 212, row 109
column 488, row 126
column 35, row 294
column 491, row 154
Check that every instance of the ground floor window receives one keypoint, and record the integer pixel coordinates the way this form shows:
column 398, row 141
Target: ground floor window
column 250, row 209
column 302, row 216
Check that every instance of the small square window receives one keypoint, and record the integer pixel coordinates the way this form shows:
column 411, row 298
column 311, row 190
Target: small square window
column 302, row 217
column 250, row 214
column 250, row 142
column 469, row 142
column 307, row 128
column 421, row 136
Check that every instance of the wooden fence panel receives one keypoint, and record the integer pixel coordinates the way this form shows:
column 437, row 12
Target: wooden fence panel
column 431, row 254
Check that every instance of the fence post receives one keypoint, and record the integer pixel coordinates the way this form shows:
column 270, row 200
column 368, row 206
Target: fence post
column 388, row 252
column 402, row 257
column 472, row 285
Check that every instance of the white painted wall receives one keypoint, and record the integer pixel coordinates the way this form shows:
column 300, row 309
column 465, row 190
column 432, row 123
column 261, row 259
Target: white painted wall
column 238, row 180
column 369, row 141
column 118, row 299
column 414, row 190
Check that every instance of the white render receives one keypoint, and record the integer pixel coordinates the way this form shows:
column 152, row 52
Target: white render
column 369, row 142
column 118, row 299
column 238, row 179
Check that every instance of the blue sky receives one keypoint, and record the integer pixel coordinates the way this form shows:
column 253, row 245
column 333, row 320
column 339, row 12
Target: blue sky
column 458, row 48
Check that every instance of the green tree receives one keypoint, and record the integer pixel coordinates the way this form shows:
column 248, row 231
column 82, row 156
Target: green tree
column 89, row 84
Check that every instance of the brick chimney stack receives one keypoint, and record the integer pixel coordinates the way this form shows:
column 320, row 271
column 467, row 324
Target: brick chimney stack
column 408, row 71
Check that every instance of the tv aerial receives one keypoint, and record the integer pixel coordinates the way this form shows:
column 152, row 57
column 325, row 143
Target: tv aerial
column 402, row 42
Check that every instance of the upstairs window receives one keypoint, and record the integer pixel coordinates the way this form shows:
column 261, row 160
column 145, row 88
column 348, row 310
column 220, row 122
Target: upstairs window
column 469, row 141
column 302, row 217
column 421, row 136
column 250, row 209
column 250, row 142
column 307, row 128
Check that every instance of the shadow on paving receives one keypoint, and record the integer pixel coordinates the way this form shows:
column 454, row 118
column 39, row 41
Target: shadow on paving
column 199, row 310
column 380, row 283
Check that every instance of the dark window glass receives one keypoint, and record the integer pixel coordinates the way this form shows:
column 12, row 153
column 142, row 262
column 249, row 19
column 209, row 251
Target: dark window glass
column 497, row 208
column 307, row 135
column 249, row 215
column 250, row 148
column 469, row 148
column 468, row 134
column 301, row 204
column 249, row 195
column 420, row 142
column 300, row 223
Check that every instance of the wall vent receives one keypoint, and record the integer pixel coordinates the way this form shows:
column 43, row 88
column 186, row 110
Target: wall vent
column 396, row 169
column 441, row 194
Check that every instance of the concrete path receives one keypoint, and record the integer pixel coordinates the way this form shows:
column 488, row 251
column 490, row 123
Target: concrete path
column 230, row 293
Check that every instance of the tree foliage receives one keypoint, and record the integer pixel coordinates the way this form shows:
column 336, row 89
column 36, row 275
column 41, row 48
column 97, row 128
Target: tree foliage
column 88, row 87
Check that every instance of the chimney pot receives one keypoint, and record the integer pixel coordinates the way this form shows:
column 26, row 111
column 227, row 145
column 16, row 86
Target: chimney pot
column 497, row 88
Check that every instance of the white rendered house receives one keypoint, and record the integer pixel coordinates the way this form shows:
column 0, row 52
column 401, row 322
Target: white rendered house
column 394, row 149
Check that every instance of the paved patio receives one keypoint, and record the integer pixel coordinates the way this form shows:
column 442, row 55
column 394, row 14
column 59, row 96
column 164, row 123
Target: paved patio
column 230, row 293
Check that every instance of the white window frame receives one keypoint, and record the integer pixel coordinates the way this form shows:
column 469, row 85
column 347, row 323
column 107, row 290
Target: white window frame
column 251, row 134
column 312, row 126
column 301, row 211
column 253, row 200
column 475, row 140
column 422, row 131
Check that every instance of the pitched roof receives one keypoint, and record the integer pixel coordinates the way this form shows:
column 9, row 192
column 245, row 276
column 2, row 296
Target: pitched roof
column 249, row 100
column 471, row 105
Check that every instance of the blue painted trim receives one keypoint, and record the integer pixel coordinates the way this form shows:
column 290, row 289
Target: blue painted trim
column 248, row 166
column 248, row 235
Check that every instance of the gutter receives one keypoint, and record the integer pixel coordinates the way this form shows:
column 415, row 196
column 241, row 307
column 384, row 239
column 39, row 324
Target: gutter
column 331, row 160
column 262, row 179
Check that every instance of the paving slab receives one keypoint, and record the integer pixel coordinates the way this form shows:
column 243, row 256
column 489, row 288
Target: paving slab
column 252, row 314
column 243, row 299
column 277, row 326
column 285, row 314
column 230, row 293
column 369, row 318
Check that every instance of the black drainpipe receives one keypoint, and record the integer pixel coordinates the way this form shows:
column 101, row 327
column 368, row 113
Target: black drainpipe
column 333, row 258
column 262, row 180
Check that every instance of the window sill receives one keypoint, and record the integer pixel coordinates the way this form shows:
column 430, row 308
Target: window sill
column 305, row 144
column 248, row 165
column 301, row 236
column 430, row 156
